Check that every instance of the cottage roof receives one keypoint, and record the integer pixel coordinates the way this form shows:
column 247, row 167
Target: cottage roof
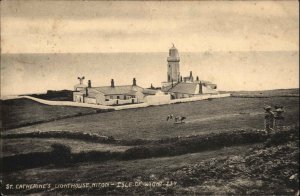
column 118, row 90
column 91, row 96
column 166, row 88
column 149, row 91
column 186, row 88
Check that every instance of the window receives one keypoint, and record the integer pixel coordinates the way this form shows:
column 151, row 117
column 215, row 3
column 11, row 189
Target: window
column 118, row 97
column 169, row 65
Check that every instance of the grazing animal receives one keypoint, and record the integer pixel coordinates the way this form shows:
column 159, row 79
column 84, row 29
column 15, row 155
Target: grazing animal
column 169, row 117
column 179, row 119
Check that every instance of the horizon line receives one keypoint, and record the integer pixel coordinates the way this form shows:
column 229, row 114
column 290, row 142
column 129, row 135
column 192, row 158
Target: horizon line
column 141, row 52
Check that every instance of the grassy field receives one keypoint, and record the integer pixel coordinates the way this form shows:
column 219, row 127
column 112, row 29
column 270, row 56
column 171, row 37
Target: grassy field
column 150, row 123
column 268, row 93
column 22, row 112
column 255, row 168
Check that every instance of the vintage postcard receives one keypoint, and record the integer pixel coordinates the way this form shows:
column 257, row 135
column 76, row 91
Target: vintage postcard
column 149, row 97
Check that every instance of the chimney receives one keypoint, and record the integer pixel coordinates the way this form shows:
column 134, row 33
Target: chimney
column 112, row 83
column 197, row 78
column 200, row 88
column 172, row 83
column 134, row 82
column 89, row 84
column 180, row 78
column 191, row 74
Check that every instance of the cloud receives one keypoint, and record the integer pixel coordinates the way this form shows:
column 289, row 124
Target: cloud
column 143, row 9
column 109, row 26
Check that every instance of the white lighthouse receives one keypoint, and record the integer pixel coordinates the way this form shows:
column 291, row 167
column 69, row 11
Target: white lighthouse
column 173, row 69
column 173, row 65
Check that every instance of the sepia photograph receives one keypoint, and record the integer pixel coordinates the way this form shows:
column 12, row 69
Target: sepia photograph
column 106, row 97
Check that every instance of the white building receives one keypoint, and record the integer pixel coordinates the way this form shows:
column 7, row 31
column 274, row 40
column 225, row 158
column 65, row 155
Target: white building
column 109, row 95
column 185, row 87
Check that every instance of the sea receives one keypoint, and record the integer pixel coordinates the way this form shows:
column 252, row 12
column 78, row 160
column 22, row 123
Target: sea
column 230, row 70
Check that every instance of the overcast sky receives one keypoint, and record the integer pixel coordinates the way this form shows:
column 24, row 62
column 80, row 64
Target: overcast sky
column 139, row 26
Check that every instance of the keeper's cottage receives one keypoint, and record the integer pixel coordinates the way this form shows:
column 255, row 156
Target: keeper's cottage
column 109, row 95
column 176, row 87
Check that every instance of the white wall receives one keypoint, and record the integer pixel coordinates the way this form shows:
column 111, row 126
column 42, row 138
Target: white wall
column 120, row 101
column 67, row 103
column 200, row 97
column 89, row 100
column 158, row 99
column 127, row 101
column 70, row 103
column 78, row 97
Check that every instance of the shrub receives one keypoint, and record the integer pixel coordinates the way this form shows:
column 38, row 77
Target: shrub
column 139, row 152
column 95, row 156
column 283, row 136
column 61, row 154
column 25, row 161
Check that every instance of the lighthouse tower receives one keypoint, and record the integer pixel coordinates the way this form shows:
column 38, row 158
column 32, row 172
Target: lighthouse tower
column 173, row 65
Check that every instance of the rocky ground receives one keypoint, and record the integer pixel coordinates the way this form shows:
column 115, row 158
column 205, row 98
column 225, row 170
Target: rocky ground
column 269, row 168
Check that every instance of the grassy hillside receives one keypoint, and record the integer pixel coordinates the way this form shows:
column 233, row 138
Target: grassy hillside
column 220, row 159
column 63, row 95
column 150, row 123
column 267, row 93
column 23, row 112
